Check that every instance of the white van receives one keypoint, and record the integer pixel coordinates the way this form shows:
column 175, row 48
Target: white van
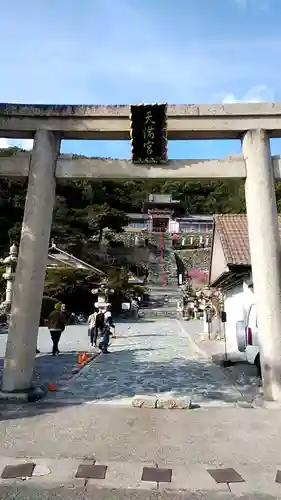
column 247, row 337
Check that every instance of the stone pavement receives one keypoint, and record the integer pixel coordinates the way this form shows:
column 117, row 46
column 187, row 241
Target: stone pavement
column 49, row 369
column 126, row 440
column 241, row 374
column 151, row 359
column 61, row 432
column 23, row 492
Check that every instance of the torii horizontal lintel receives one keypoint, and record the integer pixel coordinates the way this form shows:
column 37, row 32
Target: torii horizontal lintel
column 70, row 167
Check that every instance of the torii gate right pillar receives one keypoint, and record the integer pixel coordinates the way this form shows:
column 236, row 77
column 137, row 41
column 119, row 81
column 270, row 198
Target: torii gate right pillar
column 265, row 255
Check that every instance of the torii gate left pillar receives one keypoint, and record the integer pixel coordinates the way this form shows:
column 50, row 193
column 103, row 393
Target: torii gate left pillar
column 32, row 259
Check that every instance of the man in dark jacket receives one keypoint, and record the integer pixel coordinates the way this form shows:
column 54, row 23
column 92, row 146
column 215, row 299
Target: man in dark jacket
column 99, row 322
column 56, row 325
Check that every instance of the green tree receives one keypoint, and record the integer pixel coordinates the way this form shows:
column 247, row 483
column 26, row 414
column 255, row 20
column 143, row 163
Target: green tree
column 105, row 217
column 64, row 279
column 71, row 287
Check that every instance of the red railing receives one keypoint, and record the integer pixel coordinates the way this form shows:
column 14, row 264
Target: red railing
column 161, row 246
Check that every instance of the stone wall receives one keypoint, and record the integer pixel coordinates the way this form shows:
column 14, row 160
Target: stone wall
column 198, row 258
column 192, row 240
column 129, row 238
column 195, row 240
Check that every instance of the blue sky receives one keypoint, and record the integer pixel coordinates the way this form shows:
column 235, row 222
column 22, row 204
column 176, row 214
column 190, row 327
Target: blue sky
column 132, row 51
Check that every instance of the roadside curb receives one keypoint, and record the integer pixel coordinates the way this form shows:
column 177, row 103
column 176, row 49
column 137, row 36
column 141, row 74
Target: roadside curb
column 78, row 368
column 199, row 350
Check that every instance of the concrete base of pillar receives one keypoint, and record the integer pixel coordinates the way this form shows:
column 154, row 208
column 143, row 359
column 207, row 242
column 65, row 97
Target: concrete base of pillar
column 30, row 395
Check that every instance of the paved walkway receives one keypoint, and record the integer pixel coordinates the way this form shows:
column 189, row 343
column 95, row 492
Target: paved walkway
column 156, row 358
column 49, row 369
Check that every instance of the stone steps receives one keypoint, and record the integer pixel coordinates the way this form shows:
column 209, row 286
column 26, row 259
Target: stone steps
column 157, row 307
column 170, row 291
column 159, row 313
column 165, row 290
column 170, row 265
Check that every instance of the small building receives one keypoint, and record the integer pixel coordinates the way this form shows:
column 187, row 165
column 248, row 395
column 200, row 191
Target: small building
column 230, row 270
column 196, row 224
column 58, row 257
column 161, row 209
column 159, row 215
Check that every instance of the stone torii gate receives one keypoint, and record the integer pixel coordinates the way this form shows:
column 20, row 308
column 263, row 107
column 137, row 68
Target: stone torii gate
column 253, row 124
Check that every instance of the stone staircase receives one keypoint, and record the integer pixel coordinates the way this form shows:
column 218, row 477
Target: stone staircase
column 171, row 271
column 158, row 307
column 155, row 264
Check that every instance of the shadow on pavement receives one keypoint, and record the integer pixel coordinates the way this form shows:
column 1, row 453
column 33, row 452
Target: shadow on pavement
column 48, row 370
column 125, row 373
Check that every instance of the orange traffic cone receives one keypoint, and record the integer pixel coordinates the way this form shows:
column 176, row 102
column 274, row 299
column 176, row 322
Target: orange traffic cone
column 84, row 358
column 52, row 387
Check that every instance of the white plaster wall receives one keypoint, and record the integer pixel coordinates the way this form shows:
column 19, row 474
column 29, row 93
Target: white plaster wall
column 234, row 307
column 174, row 226
column 248, row 297
column 218, row 264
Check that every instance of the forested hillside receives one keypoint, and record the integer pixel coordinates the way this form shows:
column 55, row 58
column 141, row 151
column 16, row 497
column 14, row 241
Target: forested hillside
column 85, row 207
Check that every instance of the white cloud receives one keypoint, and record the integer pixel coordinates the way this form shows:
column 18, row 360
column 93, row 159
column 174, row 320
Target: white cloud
column 26, row 144
column 258, row 93
column 3, row 143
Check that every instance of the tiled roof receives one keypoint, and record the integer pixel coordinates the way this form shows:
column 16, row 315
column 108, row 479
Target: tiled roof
column 233, row 233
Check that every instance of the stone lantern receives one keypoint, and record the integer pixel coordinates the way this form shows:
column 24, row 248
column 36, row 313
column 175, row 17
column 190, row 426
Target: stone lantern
column 103, row 293
column 9, row 276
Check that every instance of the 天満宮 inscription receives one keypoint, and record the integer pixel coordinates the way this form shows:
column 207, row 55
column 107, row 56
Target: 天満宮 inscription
column 149, row 133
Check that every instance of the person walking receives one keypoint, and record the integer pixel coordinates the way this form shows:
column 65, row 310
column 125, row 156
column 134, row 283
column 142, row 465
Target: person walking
column 56, row 325
column 180, row 309
column 108, row 316
column 103, row 345
column 135, row 308
column 93, row 331
column 109, row 321
column 108, row 324
column 99, row 324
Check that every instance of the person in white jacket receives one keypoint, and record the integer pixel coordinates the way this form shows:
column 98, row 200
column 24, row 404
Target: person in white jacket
column 93, row 332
